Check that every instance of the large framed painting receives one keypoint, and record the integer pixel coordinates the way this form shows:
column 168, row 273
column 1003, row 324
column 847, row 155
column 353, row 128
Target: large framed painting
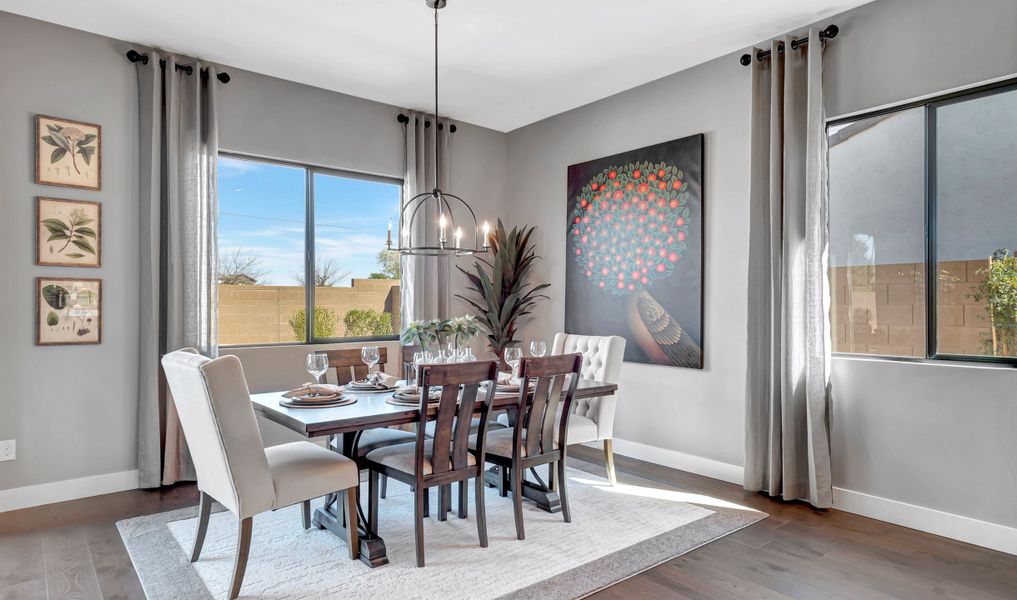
column 634, row 264
column 68, row 153
column 68, row 233
column 68, row 311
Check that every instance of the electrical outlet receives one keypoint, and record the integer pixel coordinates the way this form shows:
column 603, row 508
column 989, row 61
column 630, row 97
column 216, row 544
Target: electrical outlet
column 7, row 450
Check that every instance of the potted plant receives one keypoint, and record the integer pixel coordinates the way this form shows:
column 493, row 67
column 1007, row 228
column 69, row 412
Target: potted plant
column 425, row 332
column 464, row 329
column 502, row 293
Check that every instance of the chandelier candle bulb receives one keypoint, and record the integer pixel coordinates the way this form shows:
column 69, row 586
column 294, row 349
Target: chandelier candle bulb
column 459, row 237
column 487, row 235
column 441, row 225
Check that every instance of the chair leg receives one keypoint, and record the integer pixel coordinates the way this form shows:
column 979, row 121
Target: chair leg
column 609, row 461
column 384, row 485
column 243, row 549
column 442, row 501
column 481, row 512
column 563, row 490
column 463, row 499
column 418, row 522
column 204, row 510
column 517, row 500
column 352, row 534
column 427, row 503
column 306, row 510
column 372, row 503
column 503, row 490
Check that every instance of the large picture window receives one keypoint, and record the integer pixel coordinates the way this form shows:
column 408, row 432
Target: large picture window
column 294, row 238
column 923, row 229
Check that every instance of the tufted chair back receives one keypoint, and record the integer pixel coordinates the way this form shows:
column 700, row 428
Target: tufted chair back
column 222, row 433
column 602, row 361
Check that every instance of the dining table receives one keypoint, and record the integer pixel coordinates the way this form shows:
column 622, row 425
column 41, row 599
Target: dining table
column 342, row 424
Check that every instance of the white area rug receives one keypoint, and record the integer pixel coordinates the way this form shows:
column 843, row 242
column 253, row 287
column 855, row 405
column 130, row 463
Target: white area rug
column 615, row 533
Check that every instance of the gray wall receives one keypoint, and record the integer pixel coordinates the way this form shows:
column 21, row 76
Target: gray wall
column 927, row 434
column 73, row 409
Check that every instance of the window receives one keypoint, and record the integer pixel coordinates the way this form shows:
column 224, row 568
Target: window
column 273, row 218
column 923, row 229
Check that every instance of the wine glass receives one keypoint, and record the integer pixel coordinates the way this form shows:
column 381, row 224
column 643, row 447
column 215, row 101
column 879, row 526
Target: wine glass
column 418, row 359
column 512, row 356
column 538, row 348
column 370, row 355
column 317, row 364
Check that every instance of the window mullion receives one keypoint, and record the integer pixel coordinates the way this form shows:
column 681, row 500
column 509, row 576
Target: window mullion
column 309, row 257
column 931, row 271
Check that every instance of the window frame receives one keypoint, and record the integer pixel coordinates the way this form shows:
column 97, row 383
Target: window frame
column 930, row 105
column 310, row 170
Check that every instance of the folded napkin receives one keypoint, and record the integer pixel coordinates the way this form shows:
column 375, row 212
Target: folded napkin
column 325, row 390
column 412, row 392
column 376, row 381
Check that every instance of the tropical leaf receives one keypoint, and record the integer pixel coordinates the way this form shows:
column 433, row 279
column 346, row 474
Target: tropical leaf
column 86, row 231
column 57, row 236
column 88, row 139
column 86, row 154
column 57, row 155
column 84, row 245
column 54, row 128
column 55, row 296
column 74, row 255
column 54, row 225
column 56, row 140
column 498, row 287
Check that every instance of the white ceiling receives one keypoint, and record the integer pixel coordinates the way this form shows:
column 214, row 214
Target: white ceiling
column 503, row 64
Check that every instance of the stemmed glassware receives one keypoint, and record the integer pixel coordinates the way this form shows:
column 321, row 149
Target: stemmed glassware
column 538, row 348
column 513, row 355
column 370, row 355
column 419, row 358
column 317, row 364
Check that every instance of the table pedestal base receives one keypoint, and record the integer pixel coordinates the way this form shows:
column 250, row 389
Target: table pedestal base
column 545, row 498
column 372, row 549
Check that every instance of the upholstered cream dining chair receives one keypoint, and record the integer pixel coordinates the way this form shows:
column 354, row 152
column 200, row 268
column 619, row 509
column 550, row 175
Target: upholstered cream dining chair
column 592, row 419
column 232, row 464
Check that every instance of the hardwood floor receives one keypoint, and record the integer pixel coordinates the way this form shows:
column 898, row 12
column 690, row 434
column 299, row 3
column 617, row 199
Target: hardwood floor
column 73, row 550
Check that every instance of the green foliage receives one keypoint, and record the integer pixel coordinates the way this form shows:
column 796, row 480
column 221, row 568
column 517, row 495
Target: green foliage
column 74, row 231
column 52, row 319
column 426, row 332
column 390, row 264
column 325, row 321
column 464, row 328
column 70, row 140
column 361, row 322
column 501, row 292
column 998, row 289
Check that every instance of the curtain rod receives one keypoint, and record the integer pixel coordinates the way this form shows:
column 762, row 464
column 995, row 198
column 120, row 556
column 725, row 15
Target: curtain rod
column 135, row 56
column 405, row 119
column 830, row 32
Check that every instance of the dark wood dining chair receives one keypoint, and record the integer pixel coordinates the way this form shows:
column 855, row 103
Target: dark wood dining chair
column 349, row 366
column 447, row 457
column 538, row 435
column 408, row 366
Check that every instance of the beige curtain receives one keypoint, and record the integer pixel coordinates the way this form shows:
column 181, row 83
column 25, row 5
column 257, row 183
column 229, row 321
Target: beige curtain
column 787, row 448
column 425, row 279
column 178, row 157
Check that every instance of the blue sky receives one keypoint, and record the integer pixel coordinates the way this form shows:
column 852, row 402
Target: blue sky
column 261, row 214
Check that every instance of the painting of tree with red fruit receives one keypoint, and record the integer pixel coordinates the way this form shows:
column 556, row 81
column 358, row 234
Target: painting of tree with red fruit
column 635, row 251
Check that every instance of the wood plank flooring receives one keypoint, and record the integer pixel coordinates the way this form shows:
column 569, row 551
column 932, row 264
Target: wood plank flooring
column 72, row 550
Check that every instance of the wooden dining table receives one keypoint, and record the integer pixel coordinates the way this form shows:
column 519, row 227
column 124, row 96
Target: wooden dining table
column 372, row 410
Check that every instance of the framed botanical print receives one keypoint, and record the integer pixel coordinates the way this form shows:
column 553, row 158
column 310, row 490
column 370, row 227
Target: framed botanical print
column 68, row 153
column 68, row 311
column 68, row 233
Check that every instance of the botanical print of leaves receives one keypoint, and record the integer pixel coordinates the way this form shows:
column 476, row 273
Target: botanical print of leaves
column 68, row 230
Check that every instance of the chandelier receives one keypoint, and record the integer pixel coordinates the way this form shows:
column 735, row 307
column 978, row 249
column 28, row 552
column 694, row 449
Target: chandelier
column 437, row 223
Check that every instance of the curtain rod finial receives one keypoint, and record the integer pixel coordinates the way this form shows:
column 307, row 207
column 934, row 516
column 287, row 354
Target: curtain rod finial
column 830, row 32
column 746, row 60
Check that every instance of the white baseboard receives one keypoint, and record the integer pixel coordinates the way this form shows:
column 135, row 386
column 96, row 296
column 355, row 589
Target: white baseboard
column 69, row 489
column 678, row 460
column 958, row 527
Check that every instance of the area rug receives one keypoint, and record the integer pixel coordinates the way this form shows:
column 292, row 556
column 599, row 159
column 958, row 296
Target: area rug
column 616, row 532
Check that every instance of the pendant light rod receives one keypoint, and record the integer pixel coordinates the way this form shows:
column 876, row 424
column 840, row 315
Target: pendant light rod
column 436, row 95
